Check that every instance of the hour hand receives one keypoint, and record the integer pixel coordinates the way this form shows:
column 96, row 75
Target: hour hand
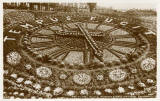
column 91, row 42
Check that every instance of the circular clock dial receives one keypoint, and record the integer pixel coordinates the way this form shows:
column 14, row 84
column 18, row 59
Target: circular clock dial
column 83, row 40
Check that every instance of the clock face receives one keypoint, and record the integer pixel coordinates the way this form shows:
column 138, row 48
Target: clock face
column 105, row 40
column 80, row 50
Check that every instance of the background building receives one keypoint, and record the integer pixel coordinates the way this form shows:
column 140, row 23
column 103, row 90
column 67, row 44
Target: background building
column 78, row 7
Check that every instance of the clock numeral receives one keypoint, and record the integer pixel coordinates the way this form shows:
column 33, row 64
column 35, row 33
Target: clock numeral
column 123, row 23
column 6, row 38
column 136, row 27
column 39, row 21
column 108, row 20
column 54, row 19
column 93, row 18
column 14, row 31
column 27, row 26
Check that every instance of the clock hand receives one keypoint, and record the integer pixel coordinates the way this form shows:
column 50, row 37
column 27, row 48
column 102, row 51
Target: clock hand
column 91, row 42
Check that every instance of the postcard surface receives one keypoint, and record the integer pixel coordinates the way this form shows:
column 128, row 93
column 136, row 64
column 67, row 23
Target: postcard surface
column 79, row 50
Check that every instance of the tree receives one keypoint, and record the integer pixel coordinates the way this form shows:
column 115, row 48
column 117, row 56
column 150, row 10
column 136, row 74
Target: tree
column 91, row 6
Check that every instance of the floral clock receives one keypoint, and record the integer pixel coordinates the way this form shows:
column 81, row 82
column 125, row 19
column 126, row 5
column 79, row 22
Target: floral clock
column 78, row 55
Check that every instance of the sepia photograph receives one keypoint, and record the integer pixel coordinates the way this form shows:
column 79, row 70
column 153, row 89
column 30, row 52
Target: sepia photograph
column 79, row 50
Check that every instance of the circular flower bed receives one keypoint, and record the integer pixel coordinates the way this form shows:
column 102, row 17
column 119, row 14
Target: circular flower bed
column 13, row 58
column 117, row 75
column 43, row 72
column 148, row 64
column 82, row 78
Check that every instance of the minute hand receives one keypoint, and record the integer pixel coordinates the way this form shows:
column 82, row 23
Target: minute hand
column 90, row 40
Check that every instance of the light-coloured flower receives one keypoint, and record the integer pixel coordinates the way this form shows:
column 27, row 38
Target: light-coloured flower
column 33, row 97
column 131, row 87
column 100, row 77
column 6, row 72
column 15, row 93
column 19, row 80
column 70, row 93
column 21, row 94
column 97, row 92
column 62, row 63
column 28, row 82
column 140, row 84
column 47, row 89
column 148, row 90
column 14, row 75
column 107, row 90
column 48, row 95
column 13, row 58
column 134, row 70
column 150, row 81
column 28, row 66
column 148, row 64
column 43, row 72
column 39, row 55
column 82, row 78
column 12, row 97
column 37, row 86
column 57, row 91
column 131, row 93
column 121, row 90
column 63, row 76
column 84, row 92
